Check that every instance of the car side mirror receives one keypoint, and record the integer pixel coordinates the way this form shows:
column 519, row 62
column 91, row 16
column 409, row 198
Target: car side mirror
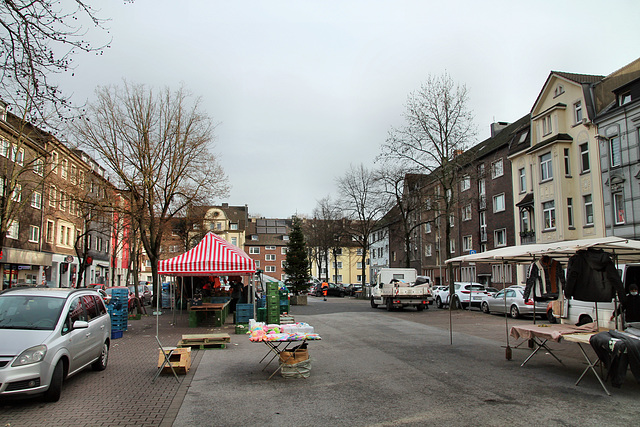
column 80, row 324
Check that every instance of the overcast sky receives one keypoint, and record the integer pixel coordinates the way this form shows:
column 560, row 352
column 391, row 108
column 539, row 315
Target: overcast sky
column 302, row 89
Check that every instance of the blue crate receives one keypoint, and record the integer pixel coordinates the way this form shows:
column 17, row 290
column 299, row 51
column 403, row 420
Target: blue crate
column 116, row 334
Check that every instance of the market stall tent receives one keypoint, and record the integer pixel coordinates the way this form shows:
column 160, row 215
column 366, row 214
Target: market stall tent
column 213, row 256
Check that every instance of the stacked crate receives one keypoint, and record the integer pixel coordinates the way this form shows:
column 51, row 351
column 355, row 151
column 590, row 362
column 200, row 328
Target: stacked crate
column 166, row 295
column 244, row 312
column 118, row 311
column 273, row 303
column 284, row 302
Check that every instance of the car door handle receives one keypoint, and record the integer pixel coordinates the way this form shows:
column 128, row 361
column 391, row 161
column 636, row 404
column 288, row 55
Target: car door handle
column 88, row 334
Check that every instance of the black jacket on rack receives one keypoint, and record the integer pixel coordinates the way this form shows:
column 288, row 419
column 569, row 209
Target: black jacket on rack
column 592, row 276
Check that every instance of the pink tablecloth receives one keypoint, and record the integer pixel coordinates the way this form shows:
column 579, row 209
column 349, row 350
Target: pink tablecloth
column 550, row 332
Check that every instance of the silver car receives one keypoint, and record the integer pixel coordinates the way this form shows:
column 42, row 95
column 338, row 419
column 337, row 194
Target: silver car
column 515, row 304
column 47, row 335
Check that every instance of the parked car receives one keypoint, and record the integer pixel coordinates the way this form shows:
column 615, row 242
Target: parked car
column 144, row 293
column 465, row 293
column 490, row 290
column 334, row 290
column 515, row 304
column 353, row 288
column 48, row 335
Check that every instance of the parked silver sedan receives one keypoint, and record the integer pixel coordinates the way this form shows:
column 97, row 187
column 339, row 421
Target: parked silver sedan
column 515, row 304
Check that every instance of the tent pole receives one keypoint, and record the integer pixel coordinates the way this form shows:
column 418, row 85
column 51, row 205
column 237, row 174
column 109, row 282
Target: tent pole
column 507, row 351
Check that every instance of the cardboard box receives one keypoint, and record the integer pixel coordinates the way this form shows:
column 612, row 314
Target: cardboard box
column 291, row 357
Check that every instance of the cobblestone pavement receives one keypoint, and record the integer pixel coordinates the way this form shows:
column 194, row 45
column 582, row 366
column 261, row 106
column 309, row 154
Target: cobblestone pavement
column 123, row 394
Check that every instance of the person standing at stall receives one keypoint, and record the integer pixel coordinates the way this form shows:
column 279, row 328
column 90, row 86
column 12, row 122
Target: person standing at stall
column 236, row 292
column 325, row 289
column 630, row 305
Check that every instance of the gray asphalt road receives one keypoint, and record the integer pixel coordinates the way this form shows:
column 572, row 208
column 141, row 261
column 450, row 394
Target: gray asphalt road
column 373, row 367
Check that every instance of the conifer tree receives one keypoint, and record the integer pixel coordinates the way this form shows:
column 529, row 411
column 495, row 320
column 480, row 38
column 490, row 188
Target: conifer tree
column 297, row 265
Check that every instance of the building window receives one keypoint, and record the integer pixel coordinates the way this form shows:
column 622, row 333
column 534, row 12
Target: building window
column 467, row 243
column 483, row 226
column 570, row 211
column 452, row 246
column 567, row 163
column 584, row 157
column 254, row 237
column 588, row 209
column 270, row 268
column 13, row 230
column 18, row 155
column 546, row 125
column 257, row 264
column 270, row 248
column 497, row 169
column 618, row 208
column 428, row 249
column 34, row 233
column 254, row 250
column 577, row 111
column 558, row 91
column 524, row 220
column 234, row 241
column 36, row 200
column 466, row 213
column 63, row 201
column 546, row 169
column 338, row 264
column 285, row 237
column 522, row 178
column 63, row 169
column 233, row 226
column 500, row 237
column 54, row 162
column 501, row 273
column 50, row 231
column 624, row 98
column 549, row 215
column 465, row 184
column 270, row 257
column 4, row 148
column 16, row 194
column 615, row 151
column 283, row 251
column 427, row 228
column 498, row 203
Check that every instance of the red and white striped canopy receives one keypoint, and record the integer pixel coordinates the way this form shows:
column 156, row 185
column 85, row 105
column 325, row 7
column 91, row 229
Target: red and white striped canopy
column 212, row 256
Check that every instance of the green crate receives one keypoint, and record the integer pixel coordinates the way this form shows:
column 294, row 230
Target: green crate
column 242, row 328
column 262, row 314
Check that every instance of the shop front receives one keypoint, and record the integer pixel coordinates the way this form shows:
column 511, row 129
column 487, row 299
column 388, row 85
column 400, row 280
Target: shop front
column 23, row 267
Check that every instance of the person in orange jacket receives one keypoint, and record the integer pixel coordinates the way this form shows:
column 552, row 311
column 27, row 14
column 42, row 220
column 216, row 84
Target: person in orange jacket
column 325, row 289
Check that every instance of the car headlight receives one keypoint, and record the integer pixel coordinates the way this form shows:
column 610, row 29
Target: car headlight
column 31, row 355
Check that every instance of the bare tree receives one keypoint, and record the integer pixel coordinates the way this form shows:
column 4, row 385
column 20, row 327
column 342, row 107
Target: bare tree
column 157, row 144
column 364, row 204
column 323, row 231
column 400, row 188
column 439, row 126
column 39, row 39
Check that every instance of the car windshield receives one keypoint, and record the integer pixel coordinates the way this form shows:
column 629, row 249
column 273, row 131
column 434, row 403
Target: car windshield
column 30, row 312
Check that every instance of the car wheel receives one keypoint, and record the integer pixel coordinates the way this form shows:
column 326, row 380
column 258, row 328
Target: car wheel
column 389, row 304
column 550, row 317
column 420, row 307
column 55, row 387
column 101, row 363
column 341, row 294
column 438, row 302
column 485, row 307
column 515, row 313
column 373, row 304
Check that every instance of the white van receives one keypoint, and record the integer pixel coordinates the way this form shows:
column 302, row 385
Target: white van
column 576, row 312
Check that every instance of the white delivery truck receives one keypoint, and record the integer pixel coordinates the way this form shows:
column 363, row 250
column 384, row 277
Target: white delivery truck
column 401, row 287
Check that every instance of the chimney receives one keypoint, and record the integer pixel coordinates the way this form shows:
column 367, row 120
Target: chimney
column 497, row 127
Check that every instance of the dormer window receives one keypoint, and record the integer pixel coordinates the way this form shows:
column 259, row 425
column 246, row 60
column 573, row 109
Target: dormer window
column 624, row 98
column 559, row 90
